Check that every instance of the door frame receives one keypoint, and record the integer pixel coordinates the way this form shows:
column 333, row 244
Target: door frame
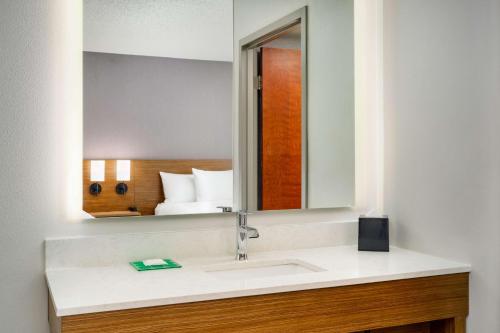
column 247, row 106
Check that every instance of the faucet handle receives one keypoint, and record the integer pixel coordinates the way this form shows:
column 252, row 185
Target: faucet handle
column 252, row 232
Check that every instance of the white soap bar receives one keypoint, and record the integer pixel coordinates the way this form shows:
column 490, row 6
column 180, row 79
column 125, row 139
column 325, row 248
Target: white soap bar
column 153, row 262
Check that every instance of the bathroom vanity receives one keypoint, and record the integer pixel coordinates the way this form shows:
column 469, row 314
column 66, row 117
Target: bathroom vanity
column 292, row 144
column 335, row 289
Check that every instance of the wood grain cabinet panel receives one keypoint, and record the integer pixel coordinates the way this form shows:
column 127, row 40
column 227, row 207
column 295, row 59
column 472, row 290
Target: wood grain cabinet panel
column 451, row 325
column 440, row 303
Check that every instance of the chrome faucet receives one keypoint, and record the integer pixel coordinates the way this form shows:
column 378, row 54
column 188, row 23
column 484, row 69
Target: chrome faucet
column 243, row 232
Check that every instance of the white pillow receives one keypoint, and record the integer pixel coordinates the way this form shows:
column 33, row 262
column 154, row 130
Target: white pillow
column 178, row 187
column 213, row 185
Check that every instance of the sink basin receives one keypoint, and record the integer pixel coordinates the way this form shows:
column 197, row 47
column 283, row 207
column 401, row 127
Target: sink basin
column 261, row 269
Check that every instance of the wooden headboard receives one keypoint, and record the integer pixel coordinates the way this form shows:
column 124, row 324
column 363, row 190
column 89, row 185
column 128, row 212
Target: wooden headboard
column 145, row 189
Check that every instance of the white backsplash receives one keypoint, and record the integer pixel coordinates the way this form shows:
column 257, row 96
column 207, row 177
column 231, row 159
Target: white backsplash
column 106, row 250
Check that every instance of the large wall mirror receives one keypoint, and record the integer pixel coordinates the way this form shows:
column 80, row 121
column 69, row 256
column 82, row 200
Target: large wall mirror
column 170, row 94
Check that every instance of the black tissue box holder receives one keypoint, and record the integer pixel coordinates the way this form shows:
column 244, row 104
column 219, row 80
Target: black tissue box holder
column 373, row 233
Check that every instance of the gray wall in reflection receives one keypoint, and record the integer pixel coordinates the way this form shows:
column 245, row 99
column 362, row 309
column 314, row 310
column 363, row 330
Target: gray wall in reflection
column 138, row 107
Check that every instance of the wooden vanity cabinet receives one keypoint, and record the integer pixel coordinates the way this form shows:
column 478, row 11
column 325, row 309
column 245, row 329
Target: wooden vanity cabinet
column 437, row 304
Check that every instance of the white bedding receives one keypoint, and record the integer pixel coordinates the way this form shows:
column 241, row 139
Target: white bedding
column 196, row 207
column 85, row 215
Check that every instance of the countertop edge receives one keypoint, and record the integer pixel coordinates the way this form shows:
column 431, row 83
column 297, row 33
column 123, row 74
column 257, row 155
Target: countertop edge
column 250, row 292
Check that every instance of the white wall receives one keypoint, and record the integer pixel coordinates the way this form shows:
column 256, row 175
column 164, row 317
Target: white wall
column 200, row 29
column 442, row 84
column 37, row 103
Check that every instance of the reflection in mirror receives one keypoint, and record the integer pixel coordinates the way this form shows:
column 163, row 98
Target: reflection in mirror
column 296, row 102
column 157, row 107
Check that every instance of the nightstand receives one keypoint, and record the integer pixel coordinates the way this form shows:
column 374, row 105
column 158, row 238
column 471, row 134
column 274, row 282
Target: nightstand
column 117, row 213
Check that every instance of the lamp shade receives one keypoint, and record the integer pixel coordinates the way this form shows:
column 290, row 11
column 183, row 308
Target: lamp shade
column 123, row 170
column 97, row 170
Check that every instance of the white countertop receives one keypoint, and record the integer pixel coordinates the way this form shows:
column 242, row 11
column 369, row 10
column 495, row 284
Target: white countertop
column 96, row 289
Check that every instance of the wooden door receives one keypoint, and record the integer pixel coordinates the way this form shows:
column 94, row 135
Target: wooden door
column 280, row 156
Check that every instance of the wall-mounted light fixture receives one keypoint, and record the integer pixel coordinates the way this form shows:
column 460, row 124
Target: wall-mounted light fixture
column 97, row 170
column 122, row 175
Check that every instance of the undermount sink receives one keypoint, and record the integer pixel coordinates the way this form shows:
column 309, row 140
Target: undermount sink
column 261, row 269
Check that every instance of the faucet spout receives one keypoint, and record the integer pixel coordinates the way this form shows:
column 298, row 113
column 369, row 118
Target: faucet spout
column 243, row 232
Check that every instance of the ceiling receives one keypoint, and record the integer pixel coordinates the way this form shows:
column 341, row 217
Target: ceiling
column 187, row 29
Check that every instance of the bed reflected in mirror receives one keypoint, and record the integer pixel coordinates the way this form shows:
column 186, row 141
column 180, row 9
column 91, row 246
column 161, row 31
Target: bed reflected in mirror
column 157, row 108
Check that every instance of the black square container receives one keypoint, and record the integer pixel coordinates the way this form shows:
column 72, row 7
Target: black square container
column 373, row 233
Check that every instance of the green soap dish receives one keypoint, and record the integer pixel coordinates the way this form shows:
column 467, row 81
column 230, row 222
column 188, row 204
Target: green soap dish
column 169, row 263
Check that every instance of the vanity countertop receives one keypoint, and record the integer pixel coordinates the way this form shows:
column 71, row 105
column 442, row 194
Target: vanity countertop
column 96, row 289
